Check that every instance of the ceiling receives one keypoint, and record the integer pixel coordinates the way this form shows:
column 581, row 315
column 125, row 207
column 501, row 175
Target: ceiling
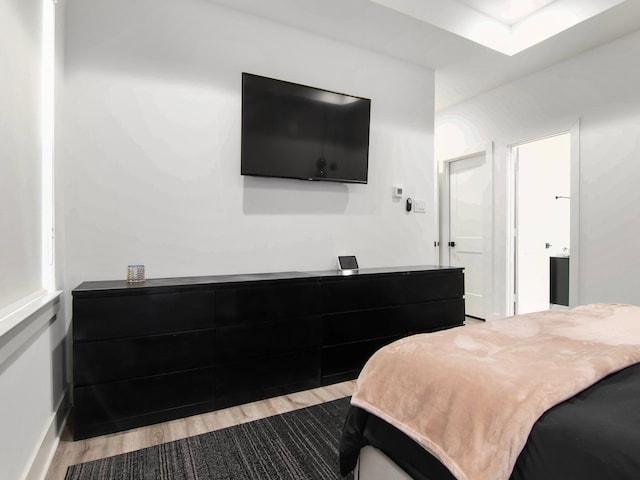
column 509, row 26
column 434, row 34
column 508, row 11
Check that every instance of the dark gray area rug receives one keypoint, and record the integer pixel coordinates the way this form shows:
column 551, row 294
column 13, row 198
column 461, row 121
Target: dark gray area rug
column 302, row 444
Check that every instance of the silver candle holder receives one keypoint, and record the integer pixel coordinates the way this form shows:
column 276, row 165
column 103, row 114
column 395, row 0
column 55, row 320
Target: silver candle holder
column 135, row 273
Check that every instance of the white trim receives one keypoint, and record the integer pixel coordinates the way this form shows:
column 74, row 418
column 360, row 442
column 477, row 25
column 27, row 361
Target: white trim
column 28, row 319
column 444, row 213
column 19, row 326
column 47, row 141
column 512, row 175
column 574, row 278
column 574, row 262
column 42, row 457
column 15, row 307
column 488, row 150
column 436, row 214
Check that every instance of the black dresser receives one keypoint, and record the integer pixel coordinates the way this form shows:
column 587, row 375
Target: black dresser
column 169, row 348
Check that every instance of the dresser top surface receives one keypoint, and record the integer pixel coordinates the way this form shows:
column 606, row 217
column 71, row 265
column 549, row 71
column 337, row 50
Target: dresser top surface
column 212, row 280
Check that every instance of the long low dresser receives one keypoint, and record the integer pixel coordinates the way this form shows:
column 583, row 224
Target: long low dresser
column 169, row 348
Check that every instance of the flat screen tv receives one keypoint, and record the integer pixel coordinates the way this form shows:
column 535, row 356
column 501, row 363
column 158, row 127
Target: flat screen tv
column 295, row 131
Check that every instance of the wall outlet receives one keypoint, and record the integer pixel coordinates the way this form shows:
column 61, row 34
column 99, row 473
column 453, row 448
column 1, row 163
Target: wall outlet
column 420, row 206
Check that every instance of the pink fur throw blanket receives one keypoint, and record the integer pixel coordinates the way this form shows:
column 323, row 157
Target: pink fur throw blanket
column 470, row 395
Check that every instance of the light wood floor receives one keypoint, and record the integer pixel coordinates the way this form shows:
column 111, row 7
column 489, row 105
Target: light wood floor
column 472, row 321
column 70, row 452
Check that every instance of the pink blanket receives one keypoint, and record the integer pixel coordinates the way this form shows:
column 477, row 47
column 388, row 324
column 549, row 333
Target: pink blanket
column 471, row 395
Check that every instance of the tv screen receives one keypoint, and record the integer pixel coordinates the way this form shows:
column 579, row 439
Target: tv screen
column 295, row 131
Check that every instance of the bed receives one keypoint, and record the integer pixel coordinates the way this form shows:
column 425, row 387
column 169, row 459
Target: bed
column 544, row 396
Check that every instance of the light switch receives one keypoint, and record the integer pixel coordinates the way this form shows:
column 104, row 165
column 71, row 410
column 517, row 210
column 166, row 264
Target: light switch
column 420, row 206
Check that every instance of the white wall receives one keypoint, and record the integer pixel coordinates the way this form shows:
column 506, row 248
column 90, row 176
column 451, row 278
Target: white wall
column 20, row 152
column 149, row 169
column 32, row 348
column 600, row 88
column 33, row 385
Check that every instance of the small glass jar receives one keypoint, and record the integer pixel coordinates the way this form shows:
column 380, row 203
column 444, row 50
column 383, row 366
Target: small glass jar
column 135, row 273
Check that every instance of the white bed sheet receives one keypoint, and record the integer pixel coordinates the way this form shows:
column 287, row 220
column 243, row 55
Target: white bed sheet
column 373, row 464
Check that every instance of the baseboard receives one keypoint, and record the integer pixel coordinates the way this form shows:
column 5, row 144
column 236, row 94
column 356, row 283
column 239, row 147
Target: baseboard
column 50, row 439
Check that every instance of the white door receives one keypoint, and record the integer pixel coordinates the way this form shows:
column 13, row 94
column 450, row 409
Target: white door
column 542, row 217
column 469, row 182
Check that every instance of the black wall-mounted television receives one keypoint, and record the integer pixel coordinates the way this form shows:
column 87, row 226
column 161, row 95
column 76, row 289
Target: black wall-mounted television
column 295, row 131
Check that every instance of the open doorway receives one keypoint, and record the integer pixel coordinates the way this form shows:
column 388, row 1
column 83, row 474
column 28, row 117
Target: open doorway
column 542, row 223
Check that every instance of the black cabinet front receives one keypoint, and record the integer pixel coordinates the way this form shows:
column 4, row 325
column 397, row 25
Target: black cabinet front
column 420, row 287
column 363, row 314
column 108, row 407
column 107, row 361
column 432, row 316
column 171, row 348
column 248, row 341
column 245, row 381
column 559, row 280
column 118, row 316
column 263, row 303
column 357, row 293
column 344, row 362
column 355, row 326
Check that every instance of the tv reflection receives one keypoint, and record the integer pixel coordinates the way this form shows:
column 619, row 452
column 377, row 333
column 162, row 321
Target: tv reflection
column 321, row 165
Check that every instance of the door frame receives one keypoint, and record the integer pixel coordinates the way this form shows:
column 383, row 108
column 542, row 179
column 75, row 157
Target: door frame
column 574, row 264
column 445, row 219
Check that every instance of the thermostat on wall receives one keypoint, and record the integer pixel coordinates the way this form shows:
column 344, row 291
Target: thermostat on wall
column 397, row 191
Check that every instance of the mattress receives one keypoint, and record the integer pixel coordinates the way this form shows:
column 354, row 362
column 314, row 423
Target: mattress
column 594, row 435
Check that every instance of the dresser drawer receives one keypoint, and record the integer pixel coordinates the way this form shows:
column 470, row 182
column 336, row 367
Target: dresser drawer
column 247, row 341
column 359, row 293
column 431, row 316
column 116, row 316
column 344, row 362
column 97, row 404
column 360, row 325
column 121, row 359
column 263, row 303
column 241, row 382
column 436, row 285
